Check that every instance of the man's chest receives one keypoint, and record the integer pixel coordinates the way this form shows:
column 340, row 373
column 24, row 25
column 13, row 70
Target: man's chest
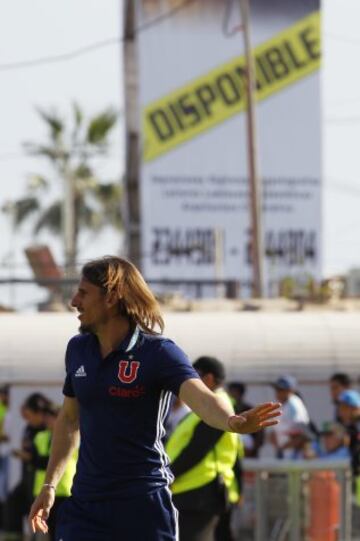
column 120, row 377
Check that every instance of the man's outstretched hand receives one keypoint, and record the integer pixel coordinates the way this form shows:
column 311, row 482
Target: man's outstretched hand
column 262, row 416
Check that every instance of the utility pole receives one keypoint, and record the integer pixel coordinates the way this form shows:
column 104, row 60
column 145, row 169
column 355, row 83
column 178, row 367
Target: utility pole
column 254, row 178
column 69, row 225
column 131, row 206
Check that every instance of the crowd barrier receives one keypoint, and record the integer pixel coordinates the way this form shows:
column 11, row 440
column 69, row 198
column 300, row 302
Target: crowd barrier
column 297, row 500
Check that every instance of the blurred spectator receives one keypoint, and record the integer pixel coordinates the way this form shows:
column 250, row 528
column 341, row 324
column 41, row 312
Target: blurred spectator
column 19, row 500
column 301, row 442
column 205, row 462
column 334, row 441
column 40, row 459
column 252, row 442
column 293, row 411
column 4, row 444
column 4, row 403
column 178, row 411
column 338, row 383
column 349, row 413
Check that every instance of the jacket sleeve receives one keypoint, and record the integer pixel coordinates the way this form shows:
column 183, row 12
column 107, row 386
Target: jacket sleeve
column 38, row 461
column 238, row 473
column 203, row 440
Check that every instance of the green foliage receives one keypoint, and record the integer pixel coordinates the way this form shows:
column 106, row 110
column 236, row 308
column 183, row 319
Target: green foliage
column 50, row 219
column 100, row 126
column 21, row 209
column 71, row 150
column 54, row 123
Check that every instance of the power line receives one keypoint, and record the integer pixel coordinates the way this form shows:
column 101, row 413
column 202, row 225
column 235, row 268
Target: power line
column 343, row 119
column 87, row 49
column 8, row 156
column 12, row 156
column 345, row 39
column 345, row 187
column 61, row 57
column 345, row 101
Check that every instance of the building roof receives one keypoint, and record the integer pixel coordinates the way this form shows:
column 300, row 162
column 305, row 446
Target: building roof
column 257, row 346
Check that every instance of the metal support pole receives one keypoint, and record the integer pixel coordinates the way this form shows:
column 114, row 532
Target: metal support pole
column 295, row 505
column 260, row 505
column 219, row 260
column 69, row 226
column 346, row 505
column 131, row 207
column 254, row 178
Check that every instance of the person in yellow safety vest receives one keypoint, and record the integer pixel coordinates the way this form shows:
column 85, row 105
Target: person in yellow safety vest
column 41, row 453
column 205, row 463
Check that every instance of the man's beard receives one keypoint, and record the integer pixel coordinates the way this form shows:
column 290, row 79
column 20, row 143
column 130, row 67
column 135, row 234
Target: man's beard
column 83, row 329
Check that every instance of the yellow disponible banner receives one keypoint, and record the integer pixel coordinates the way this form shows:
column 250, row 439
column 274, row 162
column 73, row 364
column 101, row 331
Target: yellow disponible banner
column 220, row 94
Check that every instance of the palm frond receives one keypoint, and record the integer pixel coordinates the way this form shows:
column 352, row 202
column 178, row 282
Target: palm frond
column 108, row 193
column 78, row 114
column 21, row 209
column 37, row 182
column 24, row 208
column 54, row 123
column 114, row 217
column 110, row 197
column 83, row 171
column 89, row 218
column 50, row 219
column 78, row 119
column 51, row 152
column 85, row 180
column 100, row 127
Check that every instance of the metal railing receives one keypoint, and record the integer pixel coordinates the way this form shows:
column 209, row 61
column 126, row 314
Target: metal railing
column 299, row 500
column 231, row 287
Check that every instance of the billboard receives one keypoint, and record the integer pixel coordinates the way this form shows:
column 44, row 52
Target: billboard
column 195, row 210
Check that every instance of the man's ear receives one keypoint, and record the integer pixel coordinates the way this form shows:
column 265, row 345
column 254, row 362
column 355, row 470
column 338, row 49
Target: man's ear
column 111, row 299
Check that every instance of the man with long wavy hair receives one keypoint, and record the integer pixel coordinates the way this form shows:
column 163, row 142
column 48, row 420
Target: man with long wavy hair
column 120, row 373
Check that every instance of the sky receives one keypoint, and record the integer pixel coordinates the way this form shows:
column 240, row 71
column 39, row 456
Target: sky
column 37, row 29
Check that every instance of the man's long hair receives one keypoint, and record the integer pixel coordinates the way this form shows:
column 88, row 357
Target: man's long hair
column 136, row 301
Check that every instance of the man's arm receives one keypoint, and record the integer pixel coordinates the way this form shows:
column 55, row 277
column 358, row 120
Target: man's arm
column 64, row 441
column 216, row 412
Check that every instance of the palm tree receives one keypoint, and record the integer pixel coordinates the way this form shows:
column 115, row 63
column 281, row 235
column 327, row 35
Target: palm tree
column 88, row 202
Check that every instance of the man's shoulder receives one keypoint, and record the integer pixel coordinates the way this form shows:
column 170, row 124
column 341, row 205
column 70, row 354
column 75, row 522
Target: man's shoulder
column 78, row 340
column 161, row 347
column 154, row 341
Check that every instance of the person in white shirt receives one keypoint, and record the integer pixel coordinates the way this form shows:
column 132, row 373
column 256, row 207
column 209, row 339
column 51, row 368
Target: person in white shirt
column 294, row 411
column 178, row 411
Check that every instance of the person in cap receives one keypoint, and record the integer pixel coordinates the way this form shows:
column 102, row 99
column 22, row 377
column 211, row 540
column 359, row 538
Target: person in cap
column 349, row 406
column 205, row 463
column 334, row 441
column 293, row 411
column 349, row 413
column 338, row 382
column 120, row 374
